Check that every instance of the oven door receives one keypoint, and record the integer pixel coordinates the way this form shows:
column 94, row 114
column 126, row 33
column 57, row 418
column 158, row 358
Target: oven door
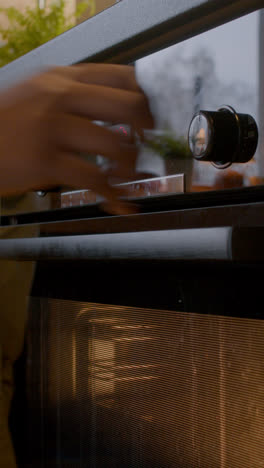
column 154, row 363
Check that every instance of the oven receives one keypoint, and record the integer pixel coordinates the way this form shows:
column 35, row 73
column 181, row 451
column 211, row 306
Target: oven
column 144, row 342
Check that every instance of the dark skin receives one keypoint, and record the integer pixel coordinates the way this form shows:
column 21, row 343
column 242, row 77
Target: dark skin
column 46, row 121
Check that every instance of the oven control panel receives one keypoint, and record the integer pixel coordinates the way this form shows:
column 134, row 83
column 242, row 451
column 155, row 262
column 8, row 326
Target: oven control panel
column 223, row 137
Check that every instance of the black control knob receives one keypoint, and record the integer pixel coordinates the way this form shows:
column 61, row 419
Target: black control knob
column 223, row 137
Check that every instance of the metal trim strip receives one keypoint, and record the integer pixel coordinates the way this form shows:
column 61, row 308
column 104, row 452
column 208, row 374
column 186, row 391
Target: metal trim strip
column 127, row 31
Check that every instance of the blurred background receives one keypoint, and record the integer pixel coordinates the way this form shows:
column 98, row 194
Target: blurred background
column 29, row 23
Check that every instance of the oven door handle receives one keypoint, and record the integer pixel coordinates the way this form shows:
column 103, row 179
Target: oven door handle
column 223, row 243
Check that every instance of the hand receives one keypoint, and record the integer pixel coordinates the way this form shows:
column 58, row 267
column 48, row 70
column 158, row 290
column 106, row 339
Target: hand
column 46, row 122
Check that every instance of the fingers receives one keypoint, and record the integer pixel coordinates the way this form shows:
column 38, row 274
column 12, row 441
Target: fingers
column 75, row 134
column 106, row 92
column 73, row 172
column 113, row 76
column 108, row 104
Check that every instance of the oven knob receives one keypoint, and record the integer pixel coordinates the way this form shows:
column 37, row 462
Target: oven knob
column 223, row 137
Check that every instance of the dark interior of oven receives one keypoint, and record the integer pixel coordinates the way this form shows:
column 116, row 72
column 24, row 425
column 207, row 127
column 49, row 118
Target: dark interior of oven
column 165, row 372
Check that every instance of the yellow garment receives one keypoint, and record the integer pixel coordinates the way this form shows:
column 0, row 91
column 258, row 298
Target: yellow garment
column 15, row 283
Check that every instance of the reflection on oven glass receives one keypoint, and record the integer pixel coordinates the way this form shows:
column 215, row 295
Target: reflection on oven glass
column 216, row 68
column 140, row 188
column 203, row 73
column 200, row 135
column 124, row 386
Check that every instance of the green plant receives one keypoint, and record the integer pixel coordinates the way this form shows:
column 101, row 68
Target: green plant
column 34, row 27
column 168, row 145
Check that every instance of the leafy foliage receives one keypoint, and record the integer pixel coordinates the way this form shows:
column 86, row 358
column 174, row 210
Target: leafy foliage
column 26, row 31
column 167, row 144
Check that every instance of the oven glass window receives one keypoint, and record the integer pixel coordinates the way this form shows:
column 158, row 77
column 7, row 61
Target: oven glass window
column 221, row 67
column 115, row 386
